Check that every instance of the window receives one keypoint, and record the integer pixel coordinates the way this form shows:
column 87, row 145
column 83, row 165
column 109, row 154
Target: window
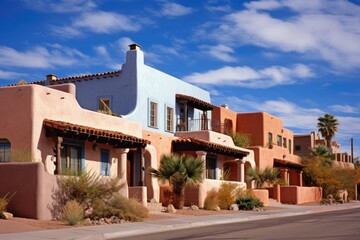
column 297, row 147
column 210, row 167
column 70, row 159
column 104, row 105
column 279, row 140
column 284, row 142
column 105, row 162
column 270, row 139
column 169, row 119
column 153, row 114
column 5, row 147
column 290, row 150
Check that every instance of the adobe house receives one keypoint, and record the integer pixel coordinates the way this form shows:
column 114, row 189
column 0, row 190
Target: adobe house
column 273, row 146
column 46, row 128
column 304, row 142
column 171, row 113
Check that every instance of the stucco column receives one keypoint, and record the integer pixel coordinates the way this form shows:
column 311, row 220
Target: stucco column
column 284, row 175
column 300, row 181
column 241, row 163
column 58, row 155
column 122, row 170
column 202, row 189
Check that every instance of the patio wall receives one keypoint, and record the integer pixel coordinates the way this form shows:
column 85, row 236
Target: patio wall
column 300, row 195
column 33, row 189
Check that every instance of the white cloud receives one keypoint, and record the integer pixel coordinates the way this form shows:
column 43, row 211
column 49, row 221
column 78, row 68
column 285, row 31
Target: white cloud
column 174, row 10
column 102, row 51
column 41, row 57
column 327, row 30
column 98, row 22
column 218, row 8
column 61, row 6
column 221, row 52
column 343, row 109
column 8, row 75
column 248, row 77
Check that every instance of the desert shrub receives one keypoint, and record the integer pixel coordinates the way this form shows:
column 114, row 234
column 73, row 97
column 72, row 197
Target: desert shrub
column 211, row 201
column 122, row 207
column 4, row 202
column 248, row 202
column 241, row 140
column 87, row 188
column 227, row 194
column 73, row 213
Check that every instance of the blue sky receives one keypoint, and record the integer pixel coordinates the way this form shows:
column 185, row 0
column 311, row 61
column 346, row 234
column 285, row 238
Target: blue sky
column 295, row 59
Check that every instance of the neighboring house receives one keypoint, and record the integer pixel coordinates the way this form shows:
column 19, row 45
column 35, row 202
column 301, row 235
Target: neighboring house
column 271, row 142
column 273, row 146
column 304, row 142
column 48, row 130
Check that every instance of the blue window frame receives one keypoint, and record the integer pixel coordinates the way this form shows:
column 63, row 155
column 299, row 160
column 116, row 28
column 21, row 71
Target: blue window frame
column 5, row 148
column 105, row 162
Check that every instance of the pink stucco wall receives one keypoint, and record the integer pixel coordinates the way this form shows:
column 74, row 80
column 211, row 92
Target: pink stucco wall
column 263, row 195
column 300, row 195
column 26, row 108
column 33, row 189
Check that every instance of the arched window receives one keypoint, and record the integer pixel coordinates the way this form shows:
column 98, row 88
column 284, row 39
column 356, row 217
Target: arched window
column 5, row 147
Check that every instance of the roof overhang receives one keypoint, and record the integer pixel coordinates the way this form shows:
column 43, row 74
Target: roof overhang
column 195, row 102
column 287, row 164
column 195, row 144
column 85, row 133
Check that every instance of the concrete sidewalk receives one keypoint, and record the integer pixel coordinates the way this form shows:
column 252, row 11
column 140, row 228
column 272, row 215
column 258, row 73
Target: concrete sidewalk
column 177, row 222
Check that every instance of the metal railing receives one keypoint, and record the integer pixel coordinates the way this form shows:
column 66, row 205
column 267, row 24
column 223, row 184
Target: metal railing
column 197, row 125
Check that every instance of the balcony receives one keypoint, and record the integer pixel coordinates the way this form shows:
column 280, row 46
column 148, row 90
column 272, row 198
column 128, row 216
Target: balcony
column 196, row 125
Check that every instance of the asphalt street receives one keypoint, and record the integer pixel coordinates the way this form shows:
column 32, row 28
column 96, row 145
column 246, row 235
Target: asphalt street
column 344, row 224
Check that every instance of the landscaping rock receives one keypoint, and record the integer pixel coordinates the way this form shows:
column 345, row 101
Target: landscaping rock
column 153, row 200
column 194, row 207
column 234, row 207
column 171, row 209
column 6, row 215
column 217, row 208
column 87, row 221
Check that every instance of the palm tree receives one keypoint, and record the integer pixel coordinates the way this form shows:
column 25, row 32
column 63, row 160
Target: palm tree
column 269, row 175
column 328, row 126
column 322, row 151
column 180, row 171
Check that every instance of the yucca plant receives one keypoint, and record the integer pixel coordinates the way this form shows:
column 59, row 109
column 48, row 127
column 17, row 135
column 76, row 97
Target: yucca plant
column 180, row 171
column 267, row 175
column 73, row 213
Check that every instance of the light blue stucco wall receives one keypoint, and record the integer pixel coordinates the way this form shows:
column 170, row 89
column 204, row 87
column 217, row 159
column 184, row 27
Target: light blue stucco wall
column 131, row 90
column 161, row 88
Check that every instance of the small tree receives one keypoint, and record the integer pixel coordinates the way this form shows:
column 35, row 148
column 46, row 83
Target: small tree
column 268, row 175
column 180, row 171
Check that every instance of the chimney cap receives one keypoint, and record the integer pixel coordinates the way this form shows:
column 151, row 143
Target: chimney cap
column 134, row 46
column 51, row 77
column 225, row 106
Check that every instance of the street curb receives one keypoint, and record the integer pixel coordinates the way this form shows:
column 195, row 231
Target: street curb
column 167, row 228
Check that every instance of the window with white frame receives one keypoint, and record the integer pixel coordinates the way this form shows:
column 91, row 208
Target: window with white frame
column 153, row 114
column 169, row 119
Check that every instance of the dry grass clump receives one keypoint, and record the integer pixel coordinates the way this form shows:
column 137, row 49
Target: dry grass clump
column 73, row 213
column 211, row 201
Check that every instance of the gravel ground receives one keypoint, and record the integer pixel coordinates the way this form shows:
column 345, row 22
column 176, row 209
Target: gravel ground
column 36, row 225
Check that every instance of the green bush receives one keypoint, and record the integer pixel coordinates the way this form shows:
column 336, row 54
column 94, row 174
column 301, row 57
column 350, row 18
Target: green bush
column 73, row 213
column 211, row 201
column 122, row 207
column 248, row 203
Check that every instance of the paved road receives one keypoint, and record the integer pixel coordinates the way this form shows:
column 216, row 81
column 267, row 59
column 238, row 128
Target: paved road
column 344, row 224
